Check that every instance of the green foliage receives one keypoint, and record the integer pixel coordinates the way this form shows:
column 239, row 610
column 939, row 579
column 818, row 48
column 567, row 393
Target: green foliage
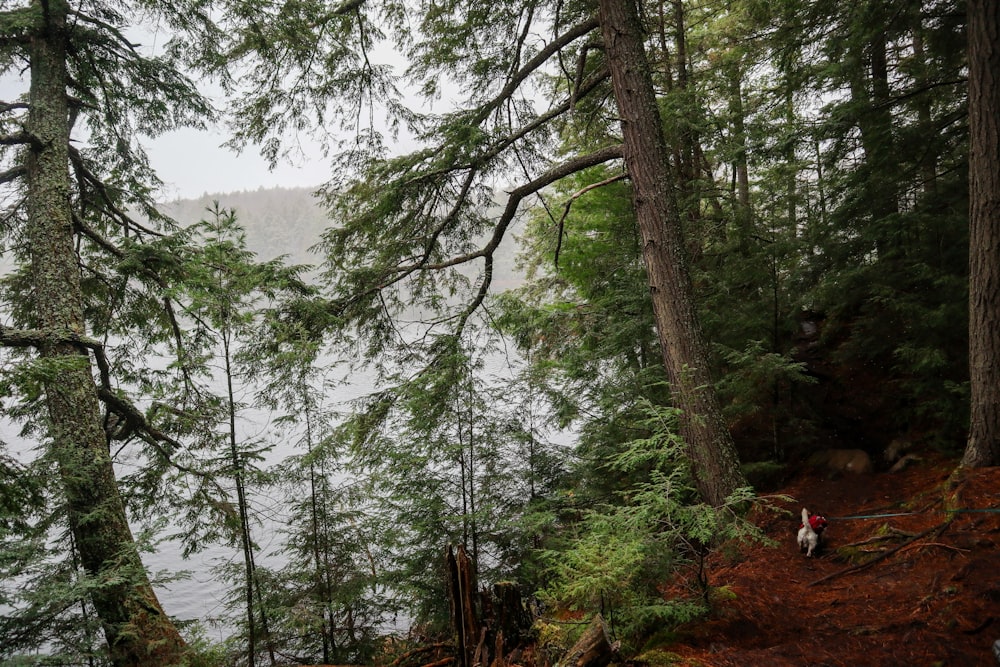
column 622, row 553
column 852, row 216
column 752, row 386
column 448, row 455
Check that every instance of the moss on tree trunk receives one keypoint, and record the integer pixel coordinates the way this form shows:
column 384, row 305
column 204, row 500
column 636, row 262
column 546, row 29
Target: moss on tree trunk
column 137, row 630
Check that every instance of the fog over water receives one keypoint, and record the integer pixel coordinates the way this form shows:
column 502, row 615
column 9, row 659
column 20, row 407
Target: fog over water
column 201, row 594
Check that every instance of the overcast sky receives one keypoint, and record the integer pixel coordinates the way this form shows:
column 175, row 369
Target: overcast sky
column 192, row 163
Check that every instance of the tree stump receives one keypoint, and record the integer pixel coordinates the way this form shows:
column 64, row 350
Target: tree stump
column 592, row 649
column 462, row 593
column 511, row 619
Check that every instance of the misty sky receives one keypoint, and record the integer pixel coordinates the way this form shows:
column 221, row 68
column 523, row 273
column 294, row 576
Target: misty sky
column 192, row 163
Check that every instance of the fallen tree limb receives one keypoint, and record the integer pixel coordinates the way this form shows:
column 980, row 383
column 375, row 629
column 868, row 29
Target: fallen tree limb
column 417, row 651
column 440, row 663
column 934, row 530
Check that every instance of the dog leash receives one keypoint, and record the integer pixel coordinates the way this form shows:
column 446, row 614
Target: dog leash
column 869, row 516
column 991, row 510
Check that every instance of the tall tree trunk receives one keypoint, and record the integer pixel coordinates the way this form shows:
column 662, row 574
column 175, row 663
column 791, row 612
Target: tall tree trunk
column 741, row 169
column 871, row 94
column 136, row 629
column 928, row 162
column 983, row 447
column 710, row 446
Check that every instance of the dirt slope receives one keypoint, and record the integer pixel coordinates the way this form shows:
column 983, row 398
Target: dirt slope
column 934, row 601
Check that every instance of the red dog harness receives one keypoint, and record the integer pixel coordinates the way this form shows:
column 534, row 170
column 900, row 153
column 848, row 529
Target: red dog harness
column 817, row 522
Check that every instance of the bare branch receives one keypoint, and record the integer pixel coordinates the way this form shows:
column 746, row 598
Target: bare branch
column 511, row 139
column 554, row 174
column 135, row 421
column 539, row 61
column 41, row 337
column 13, row 106
column 17, row 139
column 102, row 190
column 12, row 174
column 515, row 196
column 400, row 272
column 102, row 242
column 578, row 81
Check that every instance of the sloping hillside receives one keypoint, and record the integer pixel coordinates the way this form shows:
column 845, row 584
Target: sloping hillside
column 291, row 221
column 930, row 595
column 278, row 221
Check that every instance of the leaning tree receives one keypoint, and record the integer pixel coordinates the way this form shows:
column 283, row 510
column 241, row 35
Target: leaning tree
column 416, row 228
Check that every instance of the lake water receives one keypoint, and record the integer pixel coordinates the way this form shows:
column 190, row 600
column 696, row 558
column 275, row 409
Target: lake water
column 201, row 594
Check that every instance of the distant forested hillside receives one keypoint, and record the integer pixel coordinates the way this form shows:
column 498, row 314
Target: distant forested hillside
column 289, row 221
column 278, row 221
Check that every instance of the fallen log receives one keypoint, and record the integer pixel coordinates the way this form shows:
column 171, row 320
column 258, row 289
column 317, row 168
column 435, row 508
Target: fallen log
column 933, row 530
column 418, row 651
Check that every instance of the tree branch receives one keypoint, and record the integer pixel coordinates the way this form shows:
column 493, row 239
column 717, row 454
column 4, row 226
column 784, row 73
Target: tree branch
column 18, row 139
column 569, row 203
column 393, row 275
column 135, row 421
column 12, row 174
column 40, row 337
column 933, row 530
column 540, row 59
column 514, row 198
column 13, row 106
column 18, row 25
column 347, row 7
column 102, row 190
column 505, row 142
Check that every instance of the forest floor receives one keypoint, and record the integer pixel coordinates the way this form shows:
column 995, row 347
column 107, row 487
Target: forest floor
column 931, row 598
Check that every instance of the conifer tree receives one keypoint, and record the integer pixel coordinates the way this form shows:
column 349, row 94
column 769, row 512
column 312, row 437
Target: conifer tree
column 68, row 219
column 227, row 293
column 408, row 222
column 983, row 448
column 710, row 446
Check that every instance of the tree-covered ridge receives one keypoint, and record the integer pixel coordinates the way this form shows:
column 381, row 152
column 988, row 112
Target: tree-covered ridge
column 748, row 234
column 290, row 222
column 277, row 221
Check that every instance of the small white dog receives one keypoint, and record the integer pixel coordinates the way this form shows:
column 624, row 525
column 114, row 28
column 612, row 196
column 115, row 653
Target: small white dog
column 811, row 532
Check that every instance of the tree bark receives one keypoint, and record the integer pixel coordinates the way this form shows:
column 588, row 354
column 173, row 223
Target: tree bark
column 136, row 629
column 709, row 444
column 592, row 649
column 983, row 446
column 510, row 618
column 871, row 96
column 462, row 595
